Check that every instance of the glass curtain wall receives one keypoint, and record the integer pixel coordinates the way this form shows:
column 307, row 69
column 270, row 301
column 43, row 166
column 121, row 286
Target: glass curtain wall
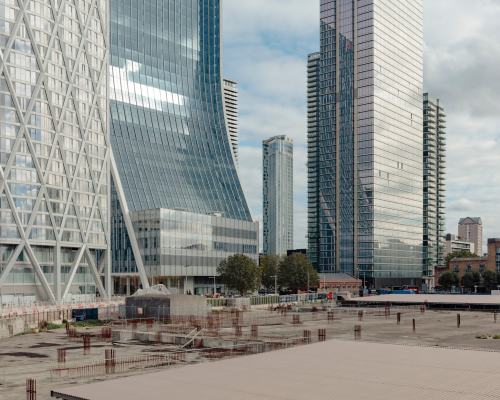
column 370, row 139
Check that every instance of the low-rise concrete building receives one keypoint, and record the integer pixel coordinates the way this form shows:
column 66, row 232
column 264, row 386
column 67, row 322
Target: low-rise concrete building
column 455, row 244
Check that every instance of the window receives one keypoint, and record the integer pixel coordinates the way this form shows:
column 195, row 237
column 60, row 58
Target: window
column 456, row 269
column 469, row 268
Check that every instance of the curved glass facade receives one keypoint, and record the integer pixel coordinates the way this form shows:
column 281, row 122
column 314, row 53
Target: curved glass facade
column 169, row 133
column 170, row 139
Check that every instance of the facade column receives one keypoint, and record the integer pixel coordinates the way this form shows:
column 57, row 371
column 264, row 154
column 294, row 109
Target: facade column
column 57, row 273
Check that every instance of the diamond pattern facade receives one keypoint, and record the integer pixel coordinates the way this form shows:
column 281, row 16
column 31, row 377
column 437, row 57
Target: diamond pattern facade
column 54, row 148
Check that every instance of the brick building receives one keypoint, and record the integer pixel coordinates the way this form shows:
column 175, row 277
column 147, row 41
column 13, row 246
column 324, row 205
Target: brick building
column 490, row 262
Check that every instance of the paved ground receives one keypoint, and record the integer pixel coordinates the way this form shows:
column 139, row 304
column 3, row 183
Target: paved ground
column 32, row 356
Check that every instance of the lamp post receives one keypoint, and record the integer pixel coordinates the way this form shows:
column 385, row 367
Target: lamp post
column 275, row 283
column 185, row 278
column 215, row 287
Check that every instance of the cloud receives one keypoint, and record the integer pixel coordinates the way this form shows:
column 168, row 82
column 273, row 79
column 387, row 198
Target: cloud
column 266, row 43
column 266, row 48
column 461, row 68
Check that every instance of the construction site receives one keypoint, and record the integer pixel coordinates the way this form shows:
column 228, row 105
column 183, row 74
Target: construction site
column 33, row 365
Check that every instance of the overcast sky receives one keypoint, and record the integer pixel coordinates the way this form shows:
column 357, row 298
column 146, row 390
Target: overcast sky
column 266, row 43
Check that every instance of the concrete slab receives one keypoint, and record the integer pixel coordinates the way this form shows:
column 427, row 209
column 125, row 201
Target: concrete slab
column 334, row 369
column 485, row 300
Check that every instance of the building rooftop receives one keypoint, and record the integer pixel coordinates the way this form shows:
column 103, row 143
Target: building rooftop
column 325, row 370
column 470, row 259
column 338, row 277
column 431, row 299
column 471, row 220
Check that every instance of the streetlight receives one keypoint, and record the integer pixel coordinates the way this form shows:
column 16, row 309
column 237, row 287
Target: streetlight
column 185, row 278
column 275, row 283
column 215, row 288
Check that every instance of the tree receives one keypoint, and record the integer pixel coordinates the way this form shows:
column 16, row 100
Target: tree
column 269, row 267
column 448, row 280
column 467, row 281
column 471, row 279
column 295, row 271
column 459, row 254
column 490, row 279
column 239, row 273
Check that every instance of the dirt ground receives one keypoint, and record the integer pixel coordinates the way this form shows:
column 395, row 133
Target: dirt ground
column 35, row 355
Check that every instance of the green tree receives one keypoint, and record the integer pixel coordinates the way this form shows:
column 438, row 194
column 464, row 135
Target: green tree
column 471, row 279
column 448, row 280
column 467, row 281
column 269, row 267
column 477, row 278
column 239, row 273
column 295, row 271
column 459, row 254
column 490, row 279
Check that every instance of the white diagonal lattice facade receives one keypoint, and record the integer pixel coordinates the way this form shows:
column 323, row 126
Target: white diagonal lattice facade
column 54, row 147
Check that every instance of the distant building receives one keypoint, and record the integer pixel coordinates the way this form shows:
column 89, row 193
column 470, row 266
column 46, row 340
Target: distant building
column 313, row 205
column 489, row 262
column 453, row 244
column 278, row 195
column 231, row 109
column 339, row 282
column 296, row 251
column 434, row 157
column 471, row 230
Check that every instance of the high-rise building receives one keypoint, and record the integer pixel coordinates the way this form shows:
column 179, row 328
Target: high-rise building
column 231, row 109
column 278, row 195
column 370, row 140
column 54, row 150
column 470, row 229
column 175, row 167
column 434, row 184
column 313, row 204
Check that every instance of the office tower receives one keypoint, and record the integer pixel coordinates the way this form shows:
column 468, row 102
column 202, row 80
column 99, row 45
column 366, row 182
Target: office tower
column 370, row 140
column 231, row 109
column 434, row 184
column 54, row 151
column 313, row 205
column 278, row 195
column 184, row 209
column 471, row 230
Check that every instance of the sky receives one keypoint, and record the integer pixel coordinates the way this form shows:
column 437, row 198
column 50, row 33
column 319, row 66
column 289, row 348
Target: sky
column 266, row 43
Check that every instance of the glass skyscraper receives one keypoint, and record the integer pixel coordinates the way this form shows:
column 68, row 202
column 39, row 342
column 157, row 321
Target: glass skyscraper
column 370, row 140
column 277, row 196
column 54, row 150
column 434, row 184
column 168, row 128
